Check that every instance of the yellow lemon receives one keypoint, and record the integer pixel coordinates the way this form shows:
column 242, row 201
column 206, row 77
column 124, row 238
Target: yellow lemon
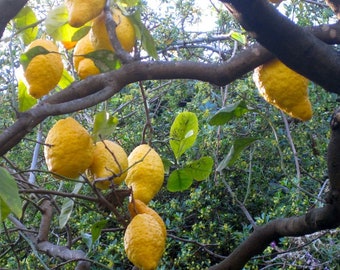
column 68, row 148
column 145, row 174
column 144, row 242
column 284, row 89
column 82, row 11
column 44, row 71
column 138, row 207
column 125, row 32
column 84, row 66
column 110, row 160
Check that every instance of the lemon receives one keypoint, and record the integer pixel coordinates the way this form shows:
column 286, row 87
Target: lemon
column 138, row 207
column 82, row 11
column 44, row 71
column 68, row 148
column 144, row 242
column 145, row 174
column 125, row 32
column 110, row 160
column 284, row 89
column 84, row 66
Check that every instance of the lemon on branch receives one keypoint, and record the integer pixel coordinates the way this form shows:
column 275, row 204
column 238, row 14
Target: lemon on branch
column 44, row 71
column 82, row 11
column 110, row 160
column 284, row 88
column 68, row 148
column 145, row 174
column 144, row 242
column 125, row 32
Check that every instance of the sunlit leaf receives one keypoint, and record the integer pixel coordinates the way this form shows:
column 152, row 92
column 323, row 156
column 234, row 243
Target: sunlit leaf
column 229, row 112
column 200, row 169
column 25, row 21
column 105, row 60
column 65, row 80
column 236, row 149
column 239, row 37
column 9, row 195
column 87, row 238
column 179, row 180
column 67, row 207
column 97, row 228
column 144, row 35
column 183, row 133
column 103, row 126
column 26, row 101
column 57, row 26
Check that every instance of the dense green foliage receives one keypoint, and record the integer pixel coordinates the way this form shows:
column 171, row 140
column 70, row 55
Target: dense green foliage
column 208, row 220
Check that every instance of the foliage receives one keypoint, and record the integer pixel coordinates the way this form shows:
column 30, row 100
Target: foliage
column 240, row 141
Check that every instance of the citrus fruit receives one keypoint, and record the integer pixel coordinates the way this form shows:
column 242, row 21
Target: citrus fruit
column 109, row 160
column 68, row 148
column 144, row 242
column 44, row 71
column 84, row 66
column 145, row 174
column 82, row 11
column 68, row 45
column 125, row 32
column 284, row 89
column 138, row 207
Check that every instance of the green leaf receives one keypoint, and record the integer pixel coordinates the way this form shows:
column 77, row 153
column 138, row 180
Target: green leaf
column 179, row 180
column 9, row 195
column 105, row 60
column 104, row 124
column 57, row 26
column 65, row 80
column 239, row 37
column 236, row 149
column 25, row 21
column 97, row 228
column 67, row 207
column 200, row 169
column 144, row 35
column 183, row 133
column 229, row 112
column 26, row 101
column 87, row 238
column 26, row 57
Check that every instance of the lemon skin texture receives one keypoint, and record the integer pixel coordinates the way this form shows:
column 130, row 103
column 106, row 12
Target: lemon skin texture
column 138, row 207
column 144, row 242
column 84, row 67
column 284, row 89
column 68, row 148
column 109, row 159
column 145, row 174
column 82, row 11
column 125, row 32
column 44, row 71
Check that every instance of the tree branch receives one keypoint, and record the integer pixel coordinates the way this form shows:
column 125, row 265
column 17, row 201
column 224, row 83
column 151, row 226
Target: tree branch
column 293, row 45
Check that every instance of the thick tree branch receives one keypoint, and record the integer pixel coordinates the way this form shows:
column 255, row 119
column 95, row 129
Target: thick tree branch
column 317, row 219
column 293, row 45
column 89, row 92
column 9, row 9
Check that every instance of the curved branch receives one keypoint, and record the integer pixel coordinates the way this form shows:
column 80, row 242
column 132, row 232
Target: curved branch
column 317, row 219
column 9, row 10
column 293, row 45
column 95, row 89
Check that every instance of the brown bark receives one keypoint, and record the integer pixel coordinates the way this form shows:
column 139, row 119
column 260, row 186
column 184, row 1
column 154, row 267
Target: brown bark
column 293, row 45
column 9, row 9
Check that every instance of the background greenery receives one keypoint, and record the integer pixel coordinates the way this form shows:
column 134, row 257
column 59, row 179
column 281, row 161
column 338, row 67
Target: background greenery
column 207, row 221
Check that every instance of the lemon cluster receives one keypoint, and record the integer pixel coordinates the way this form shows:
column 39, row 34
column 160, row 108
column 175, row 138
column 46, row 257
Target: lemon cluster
column 81, row 12
column 284, row 89
column 70, row 151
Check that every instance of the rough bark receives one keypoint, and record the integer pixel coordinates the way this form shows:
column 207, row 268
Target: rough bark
column 9, row 9
column 293, row 45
